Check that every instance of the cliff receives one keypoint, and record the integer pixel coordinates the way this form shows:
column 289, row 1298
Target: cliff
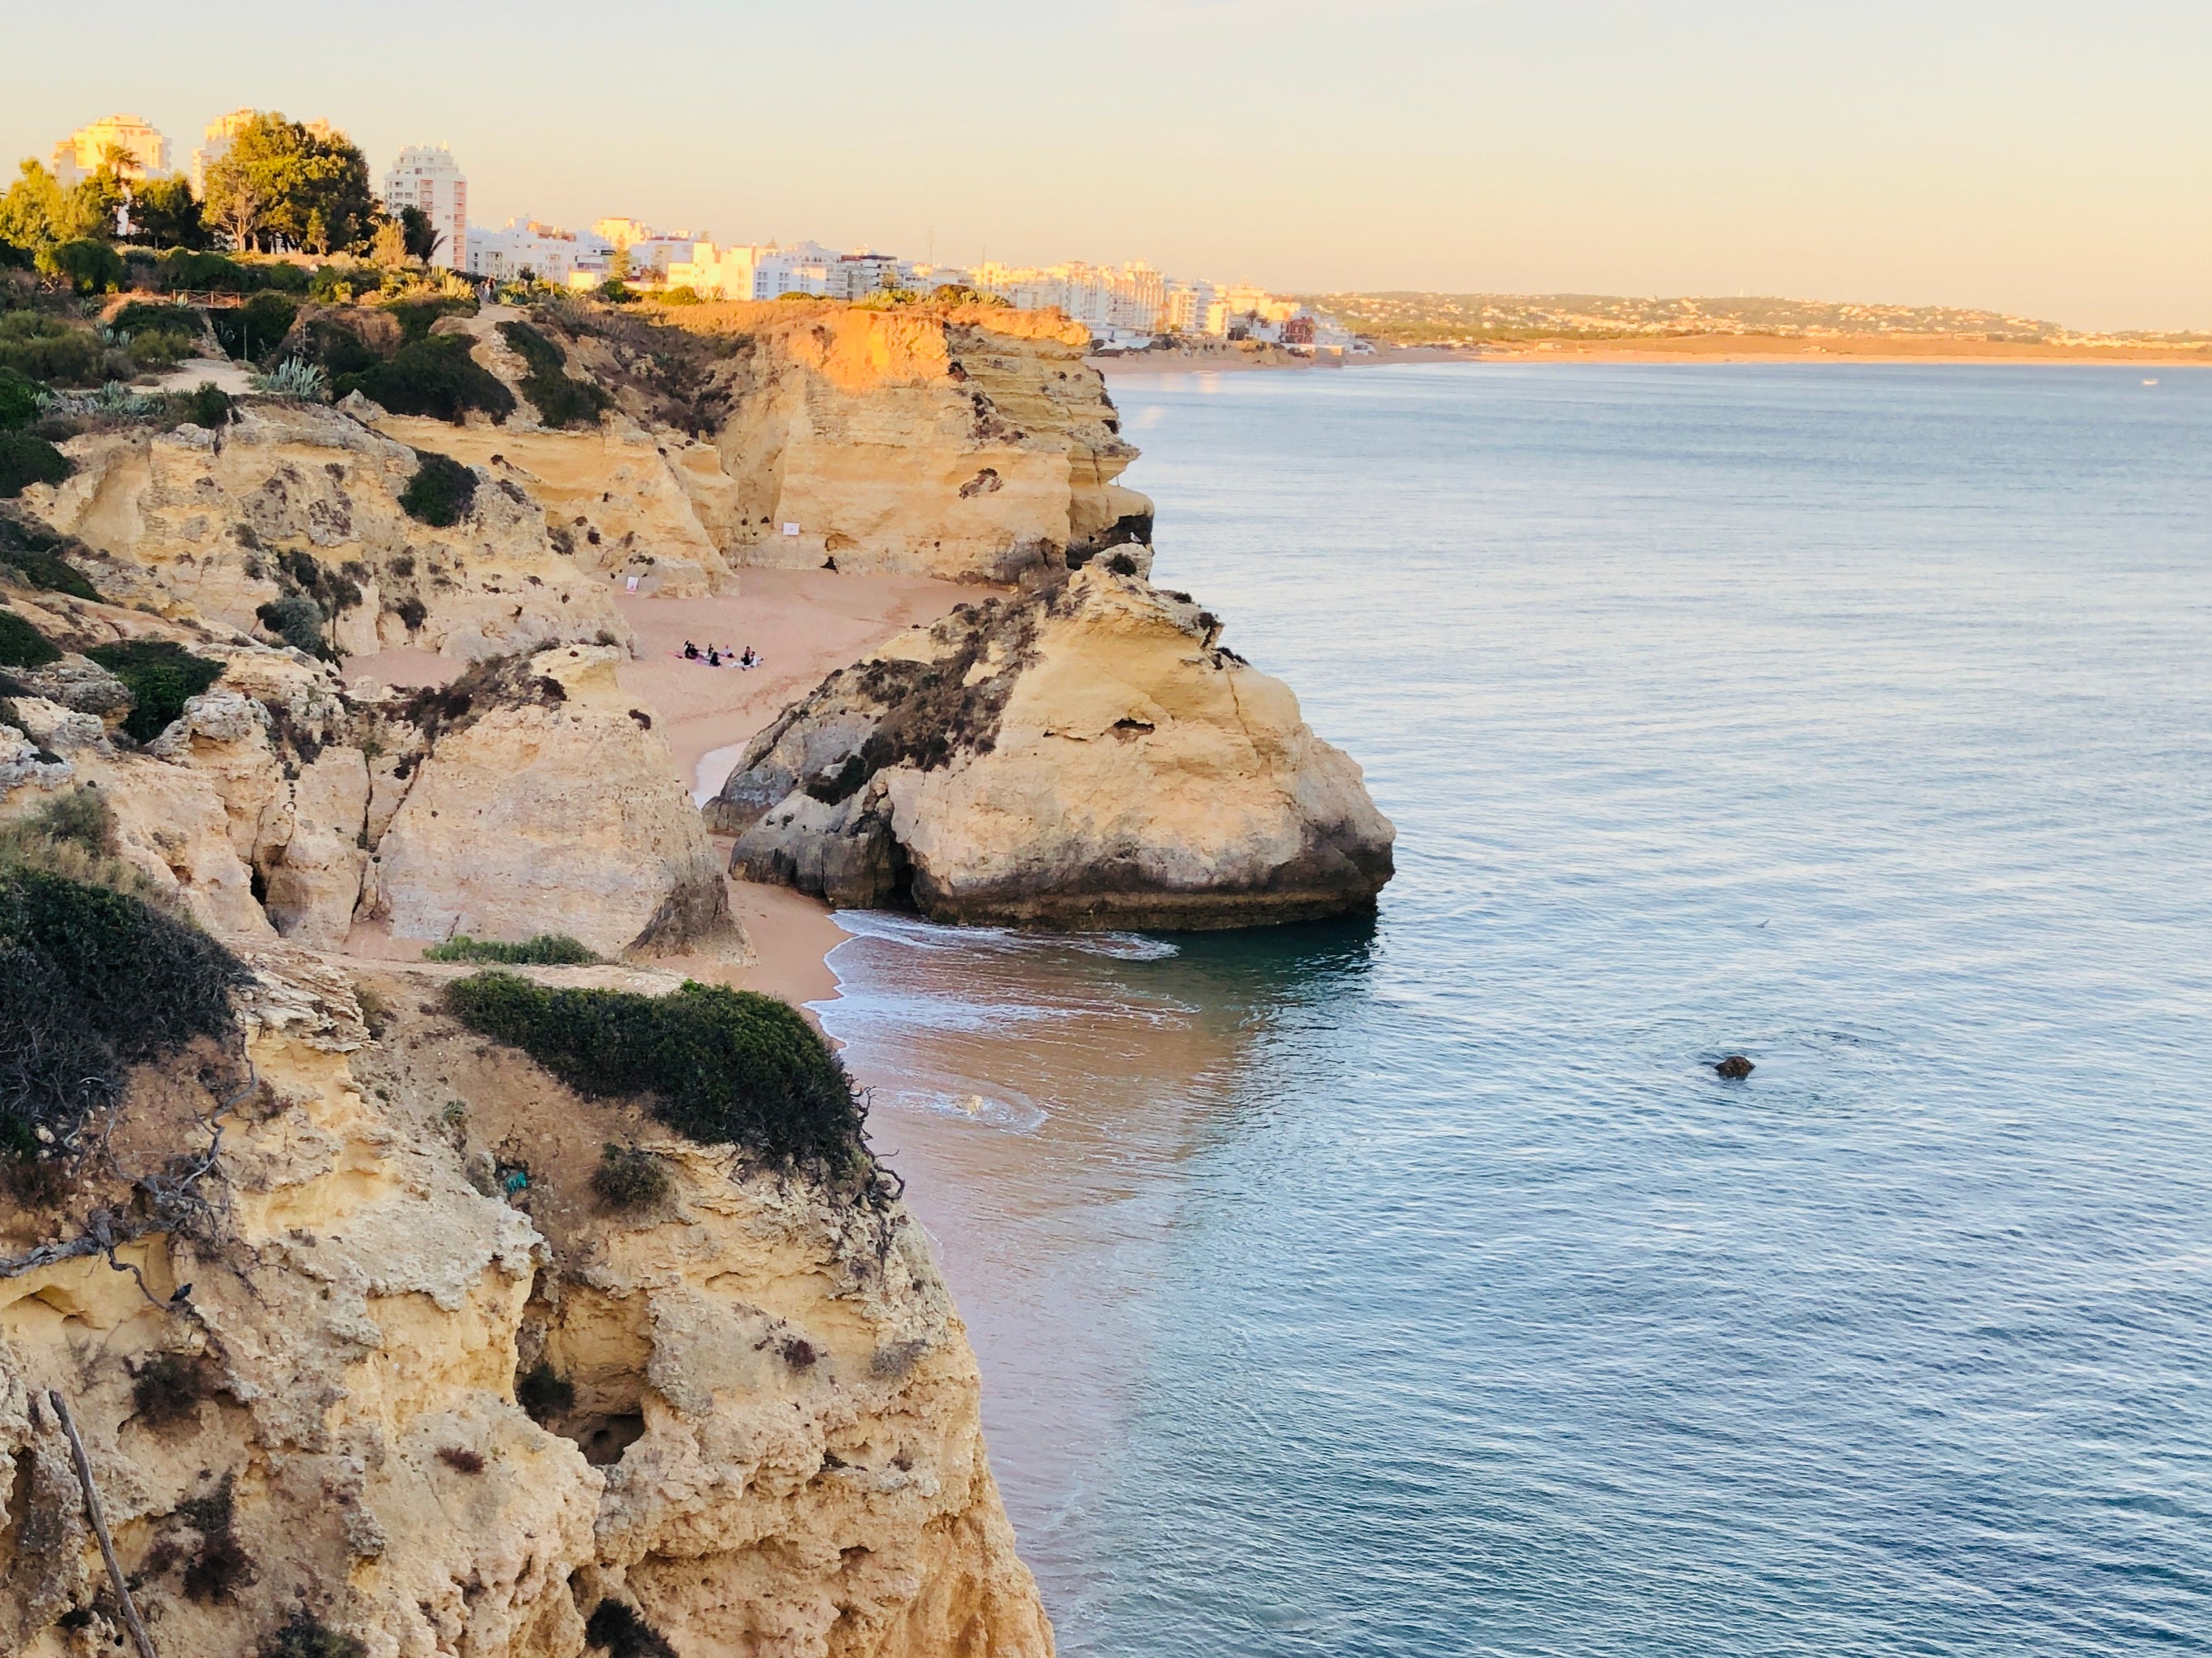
column 1084, row 757
column 525, row 797
column 299, row 500
column 755, row 1423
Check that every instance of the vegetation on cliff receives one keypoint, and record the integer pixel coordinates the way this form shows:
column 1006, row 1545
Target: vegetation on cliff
column 718, row 1066
column 434, row 376
column 546, row 949
column 91, row 981
column 560, row 399
column 161, row 676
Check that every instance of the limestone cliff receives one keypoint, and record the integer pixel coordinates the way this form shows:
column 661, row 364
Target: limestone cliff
column 293, row 499
column 300, row 1401
column 1088, row 755
column 968, row 442
column 527, row 797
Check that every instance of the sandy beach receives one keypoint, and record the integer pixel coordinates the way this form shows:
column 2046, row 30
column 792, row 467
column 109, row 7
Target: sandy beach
column 804, row 623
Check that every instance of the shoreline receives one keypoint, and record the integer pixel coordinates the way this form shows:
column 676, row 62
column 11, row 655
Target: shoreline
column 1934, row 351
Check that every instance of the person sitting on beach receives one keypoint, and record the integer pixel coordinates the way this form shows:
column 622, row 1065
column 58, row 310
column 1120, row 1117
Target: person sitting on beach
column 749, row 659
column 690, row 651
column 714, row 657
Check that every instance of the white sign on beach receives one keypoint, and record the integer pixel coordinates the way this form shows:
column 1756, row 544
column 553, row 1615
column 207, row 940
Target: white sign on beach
column 791, row 529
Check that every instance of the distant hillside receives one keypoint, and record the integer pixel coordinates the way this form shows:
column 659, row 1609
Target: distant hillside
column 1407, row 318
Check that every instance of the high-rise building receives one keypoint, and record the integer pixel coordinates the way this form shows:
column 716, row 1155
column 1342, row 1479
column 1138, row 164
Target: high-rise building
column 214, row 145
column 430, row 179
column 79, row 155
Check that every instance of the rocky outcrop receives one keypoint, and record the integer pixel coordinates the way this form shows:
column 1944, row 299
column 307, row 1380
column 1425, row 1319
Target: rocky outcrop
column 303, row 1409
column 1089, row 756
column 970, row 440
column 530, row 796
column 616, row 500
column 541, row 801
column 294, row 500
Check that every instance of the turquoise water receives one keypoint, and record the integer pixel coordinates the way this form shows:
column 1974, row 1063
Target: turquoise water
column 1414, row 1288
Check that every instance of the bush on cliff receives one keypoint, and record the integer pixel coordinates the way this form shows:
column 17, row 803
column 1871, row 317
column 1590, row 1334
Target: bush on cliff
column 560, row 399
column 440, row 491
column 546, row 949
column 31, row 554
column 22, row 646
column 25, row 460
column 435, row 376
column 161, row 675
column 19, row 399
column 93, row 980
column 718, row 1066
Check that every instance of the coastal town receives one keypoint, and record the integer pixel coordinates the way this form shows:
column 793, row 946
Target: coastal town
column 1128, row 308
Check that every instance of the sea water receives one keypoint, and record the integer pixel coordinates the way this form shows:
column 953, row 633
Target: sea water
column 1413, row 1286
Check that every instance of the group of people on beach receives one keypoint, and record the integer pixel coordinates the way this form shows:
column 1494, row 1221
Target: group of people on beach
column 716, row 656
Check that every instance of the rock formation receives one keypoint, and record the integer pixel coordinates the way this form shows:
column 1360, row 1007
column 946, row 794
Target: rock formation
column 294, row 500
column 968, row 442
column 303, row 1408
column 1089, row 756
column 527, row 797
column 540, row 801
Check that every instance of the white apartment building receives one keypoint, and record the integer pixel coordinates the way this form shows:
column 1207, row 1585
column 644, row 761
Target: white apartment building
column 771, row 272
column 430, row 179
column 78, row 156
column 525, row 249
column 1132, row 299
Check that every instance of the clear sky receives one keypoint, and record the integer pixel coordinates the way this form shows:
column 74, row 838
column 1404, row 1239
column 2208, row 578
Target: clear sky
column 2049, row 160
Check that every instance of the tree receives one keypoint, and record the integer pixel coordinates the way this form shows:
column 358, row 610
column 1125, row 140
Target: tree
column 280, row 176
column 37, row 213
column 164, row 213
column 424, row 237
column 618, row 263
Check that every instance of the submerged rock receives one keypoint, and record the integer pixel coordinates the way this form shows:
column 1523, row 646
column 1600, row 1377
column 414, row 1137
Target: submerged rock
column 1087, row 756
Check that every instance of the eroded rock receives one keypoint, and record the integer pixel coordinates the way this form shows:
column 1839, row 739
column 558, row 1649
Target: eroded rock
column 1089, row 756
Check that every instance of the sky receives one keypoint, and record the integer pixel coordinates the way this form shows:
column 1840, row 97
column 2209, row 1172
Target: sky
column 2045, row 160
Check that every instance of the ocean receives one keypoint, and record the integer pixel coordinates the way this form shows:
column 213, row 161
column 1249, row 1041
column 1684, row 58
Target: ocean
column 1412, row 1285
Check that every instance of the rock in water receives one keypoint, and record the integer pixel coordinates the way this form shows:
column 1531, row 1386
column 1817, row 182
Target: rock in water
column 1735, row 1067
column 1085, row 757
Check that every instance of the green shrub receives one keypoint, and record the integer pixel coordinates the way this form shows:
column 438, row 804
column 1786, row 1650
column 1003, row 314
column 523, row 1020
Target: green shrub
column 160, row 675
column 19, row 399
column 546, row 949
column 434, row 376
column 416, row 316
column 339, row 349
column 22, row 646
column 183, row 269
column 91, row 982
column 627, row 1178
column 718, row 1066
column 209, row 406
column 306, row 1636
column 88, row 266
column 685, row 295
column 298, row 621
column 25, row 460
column 31, row 553
column 440, row 491
column 43, row 348
column 258, row 327
column 562, row 399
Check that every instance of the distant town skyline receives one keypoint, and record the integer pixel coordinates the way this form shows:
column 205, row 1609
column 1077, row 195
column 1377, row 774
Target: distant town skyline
column 2034, row 159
